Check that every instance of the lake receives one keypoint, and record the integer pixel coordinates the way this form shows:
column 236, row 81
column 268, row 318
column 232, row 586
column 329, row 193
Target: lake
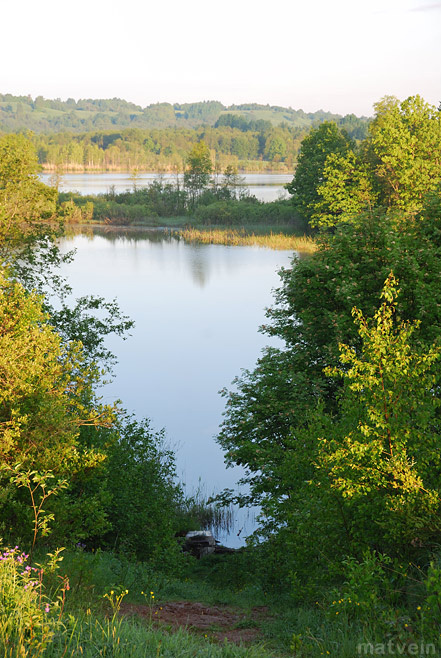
column 197, row 310
column 266, row 187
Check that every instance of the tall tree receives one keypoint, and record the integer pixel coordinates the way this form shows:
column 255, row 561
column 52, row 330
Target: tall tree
column 320, row 142
column 270, row 408
column 395, row 167
column 46, row 397
column 25, row 202
column 30, row 226
column 383, row 459
column 198, row 171
column 346, row 191
column 404, row 151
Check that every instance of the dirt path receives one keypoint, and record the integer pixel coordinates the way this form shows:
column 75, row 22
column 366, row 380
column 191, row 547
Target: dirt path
column 215, row 622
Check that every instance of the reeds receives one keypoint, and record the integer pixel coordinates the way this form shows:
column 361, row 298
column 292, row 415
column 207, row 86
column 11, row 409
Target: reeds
column 242, row 238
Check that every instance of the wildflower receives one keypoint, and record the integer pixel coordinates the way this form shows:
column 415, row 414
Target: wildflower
column 47, row 608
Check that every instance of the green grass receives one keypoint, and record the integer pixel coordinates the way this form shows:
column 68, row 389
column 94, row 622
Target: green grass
column 91, row 625
column 130, row 638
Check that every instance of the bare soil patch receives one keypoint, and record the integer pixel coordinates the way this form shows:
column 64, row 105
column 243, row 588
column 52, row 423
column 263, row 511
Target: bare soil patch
column 218, row 623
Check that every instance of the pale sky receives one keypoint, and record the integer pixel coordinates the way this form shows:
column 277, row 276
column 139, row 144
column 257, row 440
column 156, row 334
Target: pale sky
column 337, row 55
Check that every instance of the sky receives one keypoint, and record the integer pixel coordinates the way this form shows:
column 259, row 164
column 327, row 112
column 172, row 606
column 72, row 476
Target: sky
column 337, row 55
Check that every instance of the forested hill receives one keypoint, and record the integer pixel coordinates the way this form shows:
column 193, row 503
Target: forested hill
column 50, row 116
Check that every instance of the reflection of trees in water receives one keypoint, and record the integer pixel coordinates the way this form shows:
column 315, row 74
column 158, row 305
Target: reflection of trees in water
column 195, row 254
column 128, row 234
column 199, row 265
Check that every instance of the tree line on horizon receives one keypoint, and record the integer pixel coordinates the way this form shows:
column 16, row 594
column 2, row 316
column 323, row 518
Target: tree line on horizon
column 46, row 115
column 89, row 135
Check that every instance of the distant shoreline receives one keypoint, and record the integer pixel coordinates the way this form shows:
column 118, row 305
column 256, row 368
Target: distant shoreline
column 259, row 167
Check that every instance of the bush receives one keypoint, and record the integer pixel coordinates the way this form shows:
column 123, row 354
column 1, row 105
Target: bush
column 248, row 211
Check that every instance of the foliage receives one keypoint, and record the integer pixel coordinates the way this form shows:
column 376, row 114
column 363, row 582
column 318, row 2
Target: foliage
column 25, row 202
column 198, row 170
column 145, row 498
column 64, row 456
column 346, row 191
column 89, row 321
column 327, row 139
column 233, row 212
column 385, row 469
column 46, row 397
column 224, row 202
column 272, row 422
column 404, row 151
column 395, row 166
column 40, row 489
column 31, row 222
column 46, row 115
column 431, row 611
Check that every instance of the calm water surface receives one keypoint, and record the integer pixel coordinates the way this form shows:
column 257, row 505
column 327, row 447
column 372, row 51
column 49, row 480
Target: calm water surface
column 266, row 187
column 197, row 310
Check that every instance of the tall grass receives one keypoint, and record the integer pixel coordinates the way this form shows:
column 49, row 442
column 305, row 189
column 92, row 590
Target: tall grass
column 35, row 624
column 120, row 637
column 242, row 238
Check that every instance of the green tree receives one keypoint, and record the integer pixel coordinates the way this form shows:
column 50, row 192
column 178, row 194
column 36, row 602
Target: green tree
column 61, row 450
column 404, row 151
column 275, row 148
column 383, row 459
column 144, row 496
column 31, row 222
column 233, row 184
column 269, row 412
column 395, row 167
column 320, row 142
column 26, row 204
column 46, row 397
column 346, row 191
column 197, row 171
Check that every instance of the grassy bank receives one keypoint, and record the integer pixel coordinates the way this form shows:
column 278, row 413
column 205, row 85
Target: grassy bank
column 242, row 237
column 103, row 604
